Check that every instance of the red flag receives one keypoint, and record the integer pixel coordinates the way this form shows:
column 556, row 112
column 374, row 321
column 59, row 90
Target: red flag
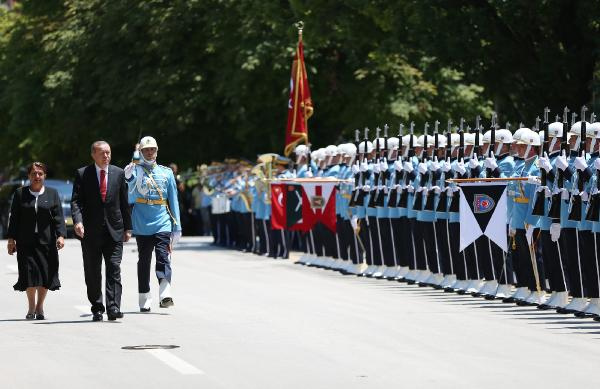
column 278, row 205
column 300, row 106
column 318, row 205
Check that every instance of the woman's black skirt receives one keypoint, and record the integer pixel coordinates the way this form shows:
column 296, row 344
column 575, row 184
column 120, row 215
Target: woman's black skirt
column 38, row 266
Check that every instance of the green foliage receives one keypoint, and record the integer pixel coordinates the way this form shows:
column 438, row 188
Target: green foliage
column 209, row 78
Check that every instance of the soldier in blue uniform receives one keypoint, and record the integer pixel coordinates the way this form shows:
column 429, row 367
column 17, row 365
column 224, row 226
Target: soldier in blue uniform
column 554, row 251
column 156, row 222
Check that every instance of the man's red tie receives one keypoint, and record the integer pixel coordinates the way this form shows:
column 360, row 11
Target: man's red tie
column 103, row 185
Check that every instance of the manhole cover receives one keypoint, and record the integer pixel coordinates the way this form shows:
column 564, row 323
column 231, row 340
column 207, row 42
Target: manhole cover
column 151, row 347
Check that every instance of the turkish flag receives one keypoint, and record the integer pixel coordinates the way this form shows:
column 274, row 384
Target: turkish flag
column 318, row 205
column 300, row 106
column 278, row 206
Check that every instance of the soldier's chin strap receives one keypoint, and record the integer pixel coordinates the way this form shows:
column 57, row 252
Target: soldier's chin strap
column 498, row 148
column 146, row 163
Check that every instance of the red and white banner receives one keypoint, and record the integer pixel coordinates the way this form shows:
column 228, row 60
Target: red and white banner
column 317, row 205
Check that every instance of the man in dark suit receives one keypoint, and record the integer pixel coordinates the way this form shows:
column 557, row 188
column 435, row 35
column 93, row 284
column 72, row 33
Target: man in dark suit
column 102, row 220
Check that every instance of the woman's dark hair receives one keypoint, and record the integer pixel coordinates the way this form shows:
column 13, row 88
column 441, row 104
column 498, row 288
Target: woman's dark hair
column 37, row 165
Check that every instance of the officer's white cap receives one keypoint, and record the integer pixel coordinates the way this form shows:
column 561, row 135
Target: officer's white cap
column 454, row 140
column 147, row 142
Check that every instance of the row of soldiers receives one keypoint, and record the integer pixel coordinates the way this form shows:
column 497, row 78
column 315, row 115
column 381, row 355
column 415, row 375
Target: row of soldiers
column 398, row 215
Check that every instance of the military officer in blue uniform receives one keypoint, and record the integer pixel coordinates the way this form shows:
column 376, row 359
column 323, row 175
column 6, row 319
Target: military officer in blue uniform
column 156, row 222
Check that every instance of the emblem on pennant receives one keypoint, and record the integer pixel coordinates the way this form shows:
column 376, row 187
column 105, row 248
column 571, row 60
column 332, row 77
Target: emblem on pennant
column 482, row 203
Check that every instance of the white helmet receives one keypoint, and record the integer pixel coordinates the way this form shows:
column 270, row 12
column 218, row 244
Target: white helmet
column 321, row 154
column 393, row 143
column 454, row 140
column 487, row 136
column 529, row 137
column 147, row 142
column 442, row 140
column 361, row 147
column 594, row 128
column 576, row 128
column 469, row 138
column 421, row 141
column 517, row 135
column 379, row 142
column 331, row 151
column 504, row 136
column 349, row 150
column 555, row 130
column 301, row 150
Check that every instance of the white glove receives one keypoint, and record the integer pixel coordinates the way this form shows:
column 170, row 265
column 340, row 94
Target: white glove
column 490, row 163
column 175, row 236
column 435, row 165
column 309, row 174
column 129, row 170
column 544, row 163
column 474, row 162
column 410, row 188
column 561, row 162
column 422, row 168
column 446, row 166
column 436, row 189
column 597, row 163
column 408, row 167
column 580, row 163
column 376, row 169
column 364, row 167
column 533, row 180
column 366, row 188
column 460, row 167
column 554, row 231
column 383, row 166
column 354, row 222
column 449, row 191
column 355, row 169
column 585, row 196
column 564, row 195
column 398, row 166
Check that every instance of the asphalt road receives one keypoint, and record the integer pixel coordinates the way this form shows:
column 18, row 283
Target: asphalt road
column 244, row 321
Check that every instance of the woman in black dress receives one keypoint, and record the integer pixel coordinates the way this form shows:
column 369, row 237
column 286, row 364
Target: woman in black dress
column 36, row 231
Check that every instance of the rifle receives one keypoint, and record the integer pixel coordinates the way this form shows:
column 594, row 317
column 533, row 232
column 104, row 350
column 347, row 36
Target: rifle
column 453, row 206
column 576, row 201
column 357, row 176
column 593, row 211
column 360, row 194
column 373, row 196
column 393, row 196
column 430, row 197
column 418, row 198
column 540, row 199
column 442, row 205
column 554, row 211
column 385, row 175
column 492, row 146
column 410, row 152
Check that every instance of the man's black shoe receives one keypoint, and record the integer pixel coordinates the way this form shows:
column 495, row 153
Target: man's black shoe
column 114, row 315
column 97, row 316
column 144, row 310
